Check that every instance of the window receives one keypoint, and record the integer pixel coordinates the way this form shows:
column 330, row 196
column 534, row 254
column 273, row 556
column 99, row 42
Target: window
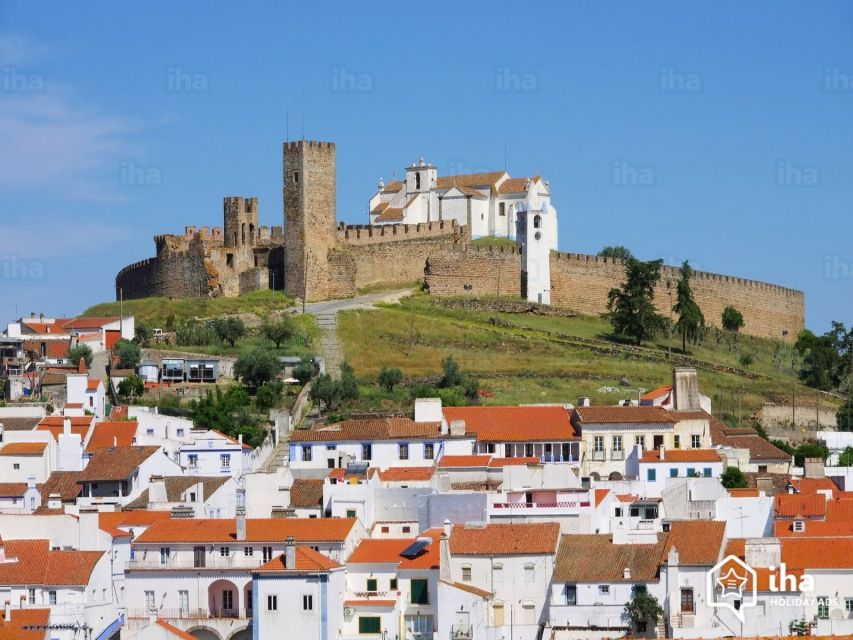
column 537, row 222
column 617, row 443
column 420, row 591
column 706, row 472
column 16, row 466
column 603, row 589
column 848, row 605
column 184, row 600
column 331, row 447
column 404, row 451
column 192, row 460
column 823, row 607
column 498, row 614
column 498, row 573
column 762, row 468
column 529, row 573
column 570, row 593
column 466, row 573
column 193, row 497
column 165, row 552
column 392, row 584
column 149, row 600
column 508, row 451
column 598, row 444
column 385, row 529
column 417, row 181
column 224, row 552
column 366, row 451
column 180, row 433
column 691, row 472
column 799, row 526
column 429, row 451
column 635, row 512
column 295, row 177
column 407, row 529
column 31, row 594
column 227, row 599
column 502, row 209
column 306, row 453
column 528, row 450
column 372, row 585
column 272, row 603
column 618, row 512
column 640, row 440
column 248, row 551
column 676, row 441
column 369, row 624
column 267, row 554
column 307, row 603
column 51, row 597
column 225, row 460
column 149, row 432
column 687, row 601
column 651, row 475
column 695, row 441
column 351, row 513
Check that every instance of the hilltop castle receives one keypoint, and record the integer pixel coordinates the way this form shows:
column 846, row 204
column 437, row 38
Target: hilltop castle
column 425, row 236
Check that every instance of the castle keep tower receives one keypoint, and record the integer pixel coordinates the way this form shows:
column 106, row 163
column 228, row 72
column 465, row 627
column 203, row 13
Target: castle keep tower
column 309, row 216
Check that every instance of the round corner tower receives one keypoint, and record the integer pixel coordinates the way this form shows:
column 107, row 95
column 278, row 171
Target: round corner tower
column 241, row 221
column 309, row 216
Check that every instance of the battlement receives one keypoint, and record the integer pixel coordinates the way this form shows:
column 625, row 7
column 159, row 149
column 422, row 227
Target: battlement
column 361, row 234
column 239, row 205
column 295, row 145
column 670, row 272
column 141, row 264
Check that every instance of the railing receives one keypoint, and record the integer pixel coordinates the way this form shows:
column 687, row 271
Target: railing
column 599, row 456
column 218, row 562
column 617, row 455
column 553, row 457
column 379, row 595
column 539, row 505
column 191, row 614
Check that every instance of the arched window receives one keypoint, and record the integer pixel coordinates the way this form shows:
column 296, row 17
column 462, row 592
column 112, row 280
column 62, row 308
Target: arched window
column 537, row 222
column 418, row 181
column 243, row 234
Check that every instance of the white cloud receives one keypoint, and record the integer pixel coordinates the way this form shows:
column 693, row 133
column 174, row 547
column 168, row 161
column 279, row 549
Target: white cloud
column 18, row 49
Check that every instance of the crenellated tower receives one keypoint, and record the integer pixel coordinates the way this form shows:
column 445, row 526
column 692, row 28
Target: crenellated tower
column 241, row 221
column 309, row 216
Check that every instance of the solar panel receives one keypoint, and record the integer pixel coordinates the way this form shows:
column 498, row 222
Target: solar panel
column 357, row 469
column 414, row 549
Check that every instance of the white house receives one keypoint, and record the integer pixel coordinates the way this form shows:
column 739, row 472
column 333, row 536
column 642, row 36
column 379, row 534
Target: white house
column 211, row 453
column 490, row 203
column 658, row 467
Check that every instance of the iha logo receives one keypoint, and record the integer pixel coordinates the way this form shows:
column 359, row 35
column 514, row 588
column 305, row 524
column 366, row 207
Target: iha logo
column 733, row 584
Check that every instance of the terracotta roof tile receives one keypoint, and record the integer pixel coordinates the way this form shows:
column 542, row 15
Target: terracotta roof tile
column 623, row 415
column 698, row 542
column 38, row 565
column 93, row 322
column 594, row 558
column 403, row 474
column 58, row 421
column 505, row 539
column 681, row 455
column 56, row 430
column 813, row 485
column 174, row 631
column 306, row 560
column 63, row 483
column 485, row 179
column 115, row 464
column 176, row 488
column 654, row 394
column 790, row 505
column 452, row 462
column 514, row 424
column 257, row 530
column 468, row 588
column 23, row 449
column 513, row 462
column 759, row 448
column 53, row 349
column 12, row 489
column 388, row 550
column 517, row 185
column 368, row 602
column 803, row 553
column 111, row 521
column 393, row 187
column 600, row 494
column 93, row 384
column 19, row 423
column 106, row 435
column 365, row 430
column 389, row 214
column 306, row 493
column 20, row 625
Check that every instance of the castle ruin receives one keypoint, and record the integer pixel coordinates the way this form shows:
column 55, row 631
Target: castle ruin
column 314, row 257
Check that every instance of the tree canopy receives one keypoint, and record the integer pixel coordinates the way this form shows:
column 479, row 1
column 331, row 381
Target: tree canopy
column 732, row 319
column 691, row 321
column 129, row 354
column 279, row 331
column 632, row 312
column 78, row 351
column 616, row 251
column 229, row 329
column 256, row 367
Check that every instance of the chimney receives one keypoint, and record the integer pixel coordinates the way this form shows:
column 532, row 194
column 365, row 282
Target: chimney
column 762, row 552
column 813, row 468
column 626, row 573
column 89, row 527
column 54, row 501
column 685, row 389
column 765, row 485
column 241, row 523
column 444, row 552
column 240, row 439
column 457, row 428
column 661, row 452
column 7, row 611
column 289, row 553
column 584, row 401
column 66, row 426
column 41, row 317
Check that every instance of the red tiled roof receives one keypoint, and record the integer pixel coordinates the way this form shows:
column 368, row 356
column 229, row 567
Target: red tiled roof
column 306, row 493
column 23, row 449
column 112, row 434
column 470, row 589
column 39, row 565
column 514, row 424
column 63, row 483
column 681, row 455
column 306, row 560
column 115, row 464
column 600, row 494
column 44, row 327
column 656, row 393
column 92, row 384
column 803, row 553
column 744, row 493
column 623, row 415
column 594, row 558
column 366, row 602
column 388, row 550
column 257, row 530
column 517, row 185
column 367, row 430
column 698, row 542
column 58, row 421
column 54, row 349
column 759, row 448
column 813, row 485
column 12, row 489
column 451, row 462
column 505, row 539
column 484, row 179
column 403, row 474
column 178, row 633
column 24, row 624
column 512, row 462
column 791, row 505
column 110, row 521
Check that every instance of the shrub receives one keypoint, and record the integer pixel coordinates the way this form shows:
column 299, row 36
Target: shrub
column 390, row 378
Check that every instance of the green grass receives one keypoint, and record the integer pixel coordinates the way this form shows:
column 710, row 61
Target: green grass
column 394, row 286
column 157, row 312
column 494, row 241
column 304, row 343
column 523, row 357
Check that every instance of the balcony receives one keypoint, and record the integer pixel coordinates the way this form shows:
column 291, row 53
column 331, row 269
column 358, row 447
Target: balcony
column 217, row 563
column 599, row 456
column 540, row 505
column 192, row 614
column 617, row 455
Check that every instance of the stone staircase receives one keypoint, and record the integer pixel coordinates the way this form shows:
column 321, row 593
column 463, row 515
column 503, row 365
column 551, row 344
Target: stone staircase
column 275, row 460
column 329, row 345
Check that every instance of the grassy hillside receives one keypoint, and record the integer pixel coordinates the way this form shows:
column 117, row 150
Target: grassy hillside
column 529, row 357
column 166, row 313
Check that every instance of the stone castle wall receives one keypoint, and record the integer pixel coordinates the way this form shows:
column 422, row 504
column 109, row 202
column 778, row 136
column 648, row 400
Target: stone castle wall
column 581, row 283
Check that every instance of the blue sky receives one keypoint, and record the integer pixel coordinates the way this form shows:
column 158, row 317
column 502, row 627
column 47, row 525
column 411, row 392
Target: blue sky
column 715, row 132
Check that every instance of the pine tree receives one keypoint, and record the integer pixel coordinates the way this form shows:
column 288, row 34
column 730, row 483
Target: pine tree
column 691, row 322
column 631, row 307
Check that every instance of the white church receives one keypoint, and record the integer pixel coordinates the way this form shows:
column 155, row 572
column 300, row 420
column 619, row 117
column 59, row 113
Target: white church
column 490, row 204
